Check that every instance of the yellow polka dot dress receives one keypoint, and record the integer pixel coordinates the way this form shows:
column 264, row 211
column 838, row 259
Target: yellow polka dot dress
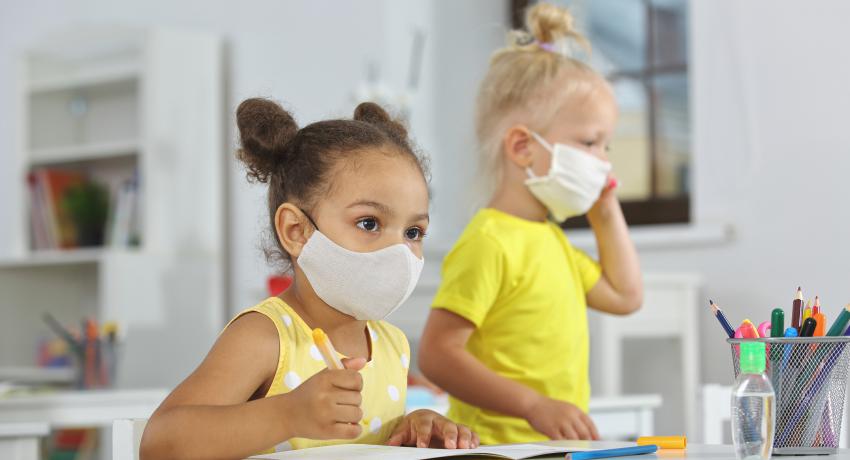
column 384, row 377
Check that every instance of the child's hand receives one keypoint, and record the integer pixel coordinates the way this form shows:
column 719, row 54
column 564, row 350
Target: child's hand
column 561, row 420
column 327, row 404
column 424, row 428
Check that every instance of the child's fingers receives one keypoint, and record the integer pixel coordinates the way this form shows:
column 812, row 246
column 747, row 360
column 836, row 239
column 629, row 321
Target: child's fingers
column 581, row 428
column 448, row 431
column 349, row 398
column 397, row 438
column 423, row 427
column 347, row 380
column 475, row 440
column 568, row 432
column 345, row 431
column 464, row 437
column 354, row 363
column 348, row 414
column 594, row 433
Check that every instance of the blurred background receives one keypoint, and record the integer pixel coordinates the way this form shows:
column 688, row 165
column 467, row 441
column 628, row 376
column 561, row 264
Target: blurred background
column 127, row 222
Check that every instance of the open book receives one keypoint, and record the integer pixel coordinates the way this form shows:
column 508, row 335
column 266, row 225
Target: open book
column 366, row 451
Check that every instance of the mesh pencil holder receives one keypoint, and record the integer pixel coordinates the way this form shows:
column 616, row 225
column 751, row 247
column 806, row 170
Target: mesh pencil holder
column 809, row 376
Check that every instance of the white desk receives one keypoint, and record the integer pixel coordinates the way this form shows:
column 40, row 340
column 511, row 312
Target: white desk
column 619, row 417
column 21, row 441
column 694, row 452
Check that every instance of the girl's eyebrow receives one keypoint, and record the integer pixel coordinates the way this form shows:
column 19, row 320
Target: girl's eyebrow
column 386, row 209
column 372, row 204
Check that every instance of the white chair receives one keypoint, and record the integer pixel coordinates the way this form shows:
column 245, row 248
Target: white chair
column 716, row 411
column 670, row 310
column 126, row 438
column 22, row 441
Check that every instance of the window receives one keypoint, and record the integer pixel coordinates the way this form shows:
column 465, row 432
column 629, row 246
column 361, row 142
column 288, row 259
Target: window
column 641, row 46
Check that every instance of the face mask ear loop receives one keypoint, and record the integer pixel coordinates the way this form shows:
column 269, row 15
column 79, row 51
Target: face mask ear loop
column 309, row 218
column 545, row 145
column 542, row 141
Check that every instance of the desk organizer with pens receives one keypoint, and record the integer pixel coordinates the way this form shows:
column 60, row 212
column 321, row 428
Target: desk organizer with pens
column 809, row 377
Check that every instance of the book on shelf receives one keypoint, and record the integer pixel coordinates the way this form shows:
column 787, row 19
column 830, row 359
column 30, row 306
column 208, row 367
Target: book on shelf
column 124, row 215
column 52, row 226
column 68, row 209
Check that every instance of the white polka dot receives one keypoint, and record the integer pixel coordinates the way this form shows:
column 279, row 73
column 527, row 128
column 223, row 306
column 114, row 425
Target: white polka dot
column 287, row 320
column 315, row 353
column 393, row 391
column 375, row 425
column 373, row 334
column 292, row 380
column 405, row 361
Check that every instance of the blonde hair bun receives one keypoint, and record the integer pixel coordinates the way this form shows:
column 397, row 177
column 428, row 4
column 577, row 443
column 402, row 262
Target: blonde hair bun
column 551, row 24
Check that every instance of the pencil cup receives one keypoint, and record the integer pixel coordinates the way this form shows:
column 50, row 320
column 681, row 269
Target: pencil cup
column 809, row 377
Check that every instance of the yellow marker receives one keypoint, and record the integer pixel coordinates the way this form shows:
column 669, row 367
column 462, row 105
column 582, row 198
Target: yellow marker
column 326, row 348
column 807, row 313
column 663, row 442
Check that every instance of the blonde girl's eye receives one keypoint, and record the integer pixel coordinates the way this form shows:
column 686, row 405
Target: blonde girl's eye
column 369, row 224
column 414, row 234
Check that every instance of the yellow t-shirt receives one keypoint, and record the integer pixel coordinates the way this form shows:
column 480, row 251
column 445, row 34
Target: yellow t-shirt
column 523, row 286
column 384, row 377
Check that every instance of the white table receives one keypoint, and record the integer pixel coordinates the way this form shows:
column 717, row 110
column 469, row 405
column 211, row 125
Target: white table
column 693, row 452
column 618, row 417
column 21, row 441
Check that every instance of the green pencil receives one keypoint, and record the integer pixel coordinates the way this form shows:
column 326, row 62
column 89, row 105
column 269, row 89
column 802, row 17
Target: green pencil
column 837, row 328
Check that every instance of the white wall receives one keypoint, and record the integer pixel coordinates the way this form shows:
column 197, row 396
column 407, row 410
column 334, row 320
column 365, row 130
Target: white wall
column 770, row 98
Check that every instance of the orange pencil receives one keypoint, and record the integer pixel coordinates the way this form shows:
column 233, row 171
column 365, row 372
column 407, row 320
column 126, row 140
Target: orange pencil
column 326, row 348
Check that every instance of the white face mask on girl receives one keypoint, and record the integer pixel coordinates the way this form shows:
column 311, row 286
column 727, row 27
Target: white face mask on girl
column 365, row 285
column 574, row 181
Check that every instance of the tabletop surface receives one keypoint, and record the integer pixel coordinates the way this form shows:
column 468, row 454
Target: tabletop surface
column 693, row 452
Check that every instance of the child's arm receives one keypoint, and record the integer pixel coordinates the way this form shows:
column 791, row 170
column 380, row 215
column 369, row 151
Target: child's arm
column 620, row 288
column 209, row 415
column 443, row 359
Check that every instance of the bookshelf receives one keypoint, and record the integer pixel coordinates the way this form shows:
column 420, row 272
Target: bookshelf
column 121, row 106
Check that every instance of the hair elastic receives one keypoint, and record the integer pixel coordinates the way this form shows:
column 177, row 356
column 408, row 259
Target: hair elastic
column 550, row 47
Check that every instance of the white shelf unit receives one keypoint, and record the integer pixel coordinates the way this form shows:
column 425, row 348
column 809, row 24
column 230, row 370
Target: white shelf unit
column 119, row 103
column 84, row 152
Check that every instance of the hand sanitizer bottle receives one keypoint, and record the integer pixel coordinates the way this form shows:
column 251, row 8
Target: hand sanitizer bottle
column 753, row 406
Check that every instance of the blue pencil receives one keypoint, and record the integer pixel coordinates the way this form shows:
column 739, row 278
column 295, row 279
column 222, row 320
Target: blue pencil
column 608, row 453
column 722, row 318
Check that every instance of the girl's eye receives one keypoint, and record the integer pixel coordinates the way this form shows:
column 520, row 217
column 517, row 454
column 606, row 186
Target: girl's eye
column 589, row 143
column 414, row 234
column 370, row 224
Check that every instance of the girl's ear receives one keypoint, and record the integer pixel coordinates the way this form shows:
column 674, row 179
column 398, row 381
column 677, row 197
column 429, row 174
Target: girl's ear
column 517, row 142
column 293, row 228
